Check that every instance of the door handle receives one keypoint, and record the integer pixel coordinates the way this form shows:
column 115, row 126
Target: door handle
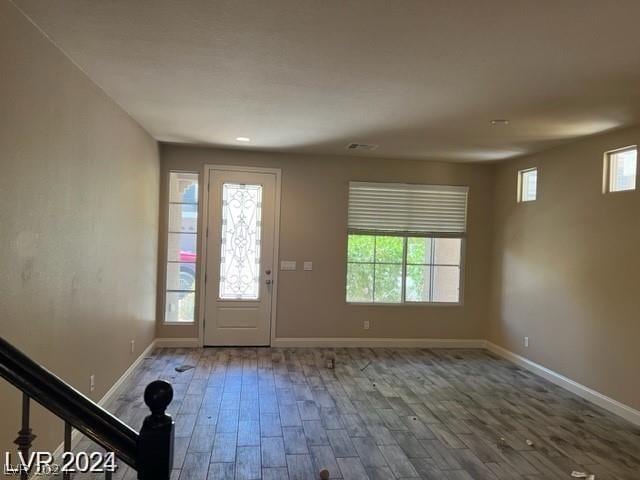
column 268, row 281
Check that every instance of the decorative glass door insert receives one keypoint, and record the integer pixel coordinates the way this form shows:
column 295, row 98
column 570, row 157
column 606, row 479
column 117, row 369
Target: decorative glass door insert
column 240, row 248
column 240, row 241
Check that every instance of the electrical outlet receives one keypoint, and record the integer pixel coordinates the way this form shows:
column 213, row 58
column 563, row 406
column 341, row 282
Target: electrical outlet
column 526, row 342
column 366, row 325
column 308, row 266
column 92, row 382
column 133, row 346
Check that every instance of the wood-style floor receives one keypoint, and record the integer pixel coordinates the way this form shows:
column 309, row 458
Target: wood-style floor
column 380, row 414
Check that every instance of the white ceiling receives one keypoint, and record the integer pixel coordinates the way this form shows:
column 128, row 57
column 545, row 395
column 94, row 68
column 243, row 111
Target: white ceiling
column 420, row 78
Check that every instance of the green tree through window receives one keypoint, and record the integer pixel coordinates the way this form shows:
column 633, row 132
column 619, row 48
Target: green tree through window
column 380, row 271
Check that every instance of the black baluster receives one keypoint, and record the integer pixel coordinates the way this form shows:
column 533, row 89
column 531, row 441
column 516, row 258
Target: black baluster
column 67, row 447
column 25, row 436
column 155, row 444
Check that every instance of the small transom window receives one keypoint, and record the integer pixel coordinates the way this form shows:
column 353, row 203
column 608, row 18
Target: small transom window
column 620, row 169
column 527, row 185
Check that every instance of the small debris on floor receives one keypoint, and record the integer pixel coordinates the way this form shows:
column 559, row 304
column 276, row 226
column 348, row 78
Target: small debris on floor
column 362, row 369
column 530, row 443
column 576, row 474
column 184, row 368
column 324, row 474
column 330, row 360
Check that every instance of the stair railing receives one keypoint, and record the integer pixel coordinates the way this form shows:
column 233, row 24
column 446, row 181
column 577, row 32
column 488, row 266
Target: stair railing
column 149, row 452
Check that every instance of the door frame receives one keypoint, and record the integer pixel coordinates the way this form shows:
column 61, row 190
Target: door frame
column 202, row 291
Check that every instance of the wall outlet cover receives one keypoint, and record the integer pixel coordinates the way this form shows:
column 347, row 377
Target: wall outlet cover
column 308, row 266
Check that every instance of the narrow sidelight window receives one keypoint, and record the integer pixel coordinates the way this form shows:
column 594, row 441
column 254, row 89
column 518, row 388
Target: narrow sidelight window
column 527, row 185
column 182, row 235
column 620, row 169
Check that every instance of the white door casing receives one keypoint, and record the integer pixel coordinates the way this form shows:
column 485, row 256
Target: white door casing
column 241, row 264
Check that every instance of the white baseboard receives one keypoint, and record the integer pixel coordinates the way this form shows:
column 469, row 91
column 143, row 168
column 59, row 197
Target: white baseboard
column 587, row 393
column 342, row 342
column 377, row 342
column 106, row 398
column 178, row 343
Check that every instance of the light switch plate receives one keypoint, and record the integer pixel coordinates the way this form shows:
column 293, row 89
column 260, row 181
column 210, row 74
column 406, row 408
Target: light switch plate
column 288, row 265
column 308, row 266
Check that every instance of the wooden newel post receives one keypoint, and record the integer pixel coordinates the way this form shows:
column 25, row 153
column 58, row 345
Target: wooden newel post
column 155, row 444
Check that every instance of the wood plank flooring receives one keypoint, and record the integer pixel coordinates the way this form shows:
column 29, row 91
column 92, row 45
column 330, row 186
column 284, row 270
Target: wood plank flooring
column 385, row 414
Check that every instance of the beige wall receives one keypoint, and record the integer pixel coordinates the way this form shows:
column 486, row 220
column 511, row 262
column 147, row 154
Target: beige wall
column 313, row 227
column 78, row 223
column 567, row 269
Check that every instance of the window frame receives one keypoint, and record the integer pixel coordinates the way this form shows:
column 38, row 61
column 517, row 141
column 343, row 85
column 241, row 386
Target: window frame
column 405, row 236
column 607, row 177
column 166, row 262
column 520, row 185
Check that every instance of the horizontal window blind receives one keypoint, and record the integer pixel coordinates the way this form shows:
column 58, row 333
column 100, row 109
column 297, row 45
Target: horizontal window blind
column 417, row 209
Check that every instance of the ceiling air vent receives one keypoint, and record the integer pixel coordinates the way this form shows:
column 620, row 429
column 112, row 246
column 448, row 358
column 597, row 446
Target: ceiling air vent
column 361, row 147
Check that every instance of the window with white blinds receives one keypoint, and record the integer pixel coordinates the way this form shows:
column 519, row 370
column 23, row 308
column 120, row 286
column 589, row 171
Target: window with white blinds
column 418, row 209
column 405, row 243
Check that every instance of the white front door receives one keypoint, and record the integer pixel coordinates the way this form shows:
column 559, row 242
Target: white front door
column 240, row 240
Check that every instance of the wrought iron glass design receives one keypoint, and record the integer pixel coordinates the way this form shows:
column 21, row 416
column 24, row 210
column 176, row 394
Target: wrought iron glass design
column 240, row 241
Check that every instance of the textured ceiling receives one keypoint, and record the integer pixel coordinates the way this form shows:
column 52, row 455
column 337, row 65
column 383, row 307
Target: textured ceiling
column 420, row 78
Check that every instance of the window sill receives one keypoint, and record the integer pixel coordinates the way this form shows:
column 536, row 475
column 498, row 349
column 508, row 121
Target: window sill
column 628, row 190
column 406, row 304
column 190, row 324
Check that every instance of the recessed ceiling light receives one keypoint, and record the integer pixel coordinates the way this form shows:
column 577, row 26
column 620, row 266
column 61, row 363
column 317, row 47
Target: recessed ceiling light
column 243, row 139
column 500, row 121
